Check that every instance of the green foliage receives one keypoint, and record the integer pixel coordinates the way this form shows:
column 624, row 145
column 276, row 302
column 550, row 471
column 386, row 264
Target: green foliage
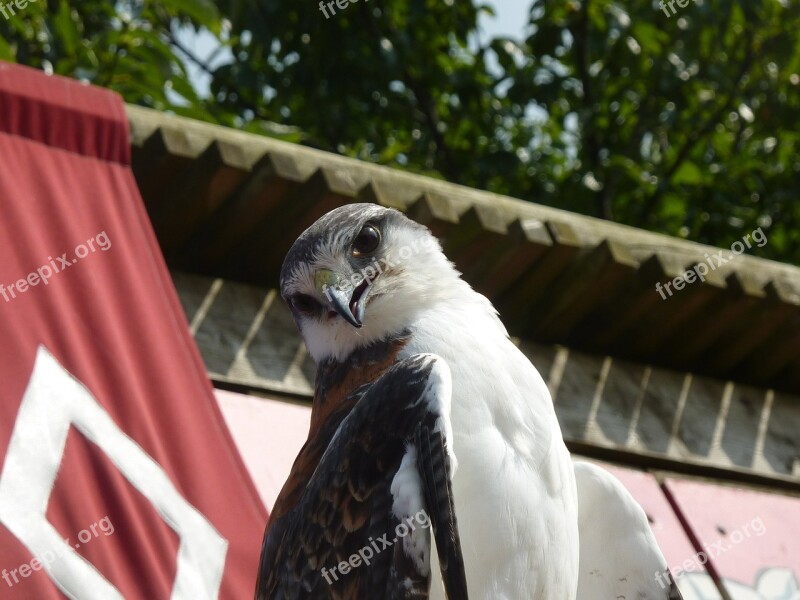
column 684, row 121
column 684, row 124
column 126, row 47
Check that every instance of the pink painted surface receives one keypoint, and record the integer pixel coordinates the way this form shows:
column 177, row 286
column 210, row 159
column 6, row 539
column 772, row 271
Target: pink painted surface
column 752, row 538
column 268, row 435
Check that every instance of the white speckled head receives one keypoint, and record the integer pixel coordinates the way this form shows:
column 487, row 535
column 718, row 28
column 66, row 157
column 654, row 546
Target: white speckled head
column 360, row 274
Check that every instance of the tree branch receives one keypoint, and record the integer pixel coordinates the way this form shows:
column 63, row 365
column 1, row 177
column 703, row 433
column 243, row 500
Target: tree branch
column 426, row 105
column 651, row 203
column 580, row 35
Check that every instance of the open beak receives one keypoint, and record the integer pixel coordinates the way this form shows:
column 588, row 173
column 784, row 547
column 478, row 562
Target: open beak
column 347, row 300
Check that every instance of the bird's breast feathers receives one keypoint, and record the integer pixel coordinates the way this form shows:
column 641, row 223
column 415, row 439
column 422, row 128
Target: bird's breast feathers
column 512, row 459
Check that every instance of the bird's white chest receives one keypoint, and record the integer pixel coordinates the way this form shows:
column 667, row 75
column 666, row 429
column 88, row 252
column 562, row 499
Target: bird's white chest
column 514, row 488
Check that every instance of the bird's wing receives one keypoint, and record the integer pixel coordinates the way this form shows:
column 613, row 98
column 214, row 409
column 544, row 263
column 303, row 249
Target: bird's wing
column 359, row 529
column 619, row 556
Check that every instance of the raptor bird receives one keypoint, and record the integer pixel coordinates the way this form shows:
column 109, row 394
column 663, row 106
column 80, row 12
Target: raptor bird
column 370, row 289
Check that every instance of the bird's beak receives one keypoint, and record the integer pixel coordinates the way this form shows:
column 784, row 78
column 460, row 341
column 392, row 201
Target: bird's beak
column 345, row 298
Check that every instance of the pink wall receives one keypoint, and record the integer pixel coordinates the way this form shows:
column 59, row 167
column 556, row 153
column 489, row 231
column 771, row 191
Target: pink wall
column 268, row 435
column 752, row 538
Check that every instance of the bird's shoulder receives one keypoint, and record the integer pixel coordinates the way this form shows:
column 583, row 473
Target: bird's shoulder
column 336, row 391
column 349, row 503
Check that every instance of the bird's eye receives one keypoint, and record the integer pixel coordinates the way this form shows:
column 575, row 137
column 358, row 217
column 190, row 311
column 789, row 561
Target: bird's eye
column 304, row 303
column 367, row 240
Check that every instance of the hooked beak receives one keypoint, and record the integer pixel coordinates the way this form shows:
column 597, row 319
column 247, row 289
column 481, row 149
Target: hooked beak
column 347, row 300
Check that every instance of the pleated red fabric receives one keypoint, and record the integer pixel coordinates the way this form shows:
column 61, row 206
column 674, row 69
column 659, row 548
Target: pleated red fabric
column 118, row 476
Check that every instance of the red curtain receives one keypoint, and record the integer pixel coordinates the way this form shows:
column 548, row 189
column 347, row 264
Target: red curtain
column 117, row 473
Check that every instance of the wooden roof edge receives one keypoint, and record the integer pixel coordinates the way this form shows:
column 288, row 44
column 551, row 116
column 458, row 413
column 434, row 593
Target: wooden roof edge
column 408, row 188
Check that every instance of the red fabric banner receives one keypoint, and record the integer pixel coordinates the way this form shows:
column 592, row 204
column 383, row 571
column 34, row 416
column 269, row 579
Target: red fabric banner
column 118, row 476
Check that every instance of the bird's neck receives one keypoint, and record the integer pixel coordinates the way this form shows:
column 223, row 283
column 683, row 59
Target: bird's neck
column 334, row 398
column 338, row 380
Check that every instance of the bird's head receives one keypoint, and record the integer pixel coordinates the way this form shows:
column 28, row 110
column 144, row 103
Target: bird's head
column 360, row 274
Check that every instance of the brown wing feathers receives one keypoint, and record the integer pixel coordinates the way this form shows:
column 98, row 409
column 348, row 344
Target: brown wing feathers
column 434, row 465
column 343, row 513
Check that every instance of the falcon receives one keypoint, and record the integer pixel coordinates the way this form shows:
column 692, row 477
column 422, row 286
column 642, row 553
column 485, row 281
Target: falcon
column 369, row 289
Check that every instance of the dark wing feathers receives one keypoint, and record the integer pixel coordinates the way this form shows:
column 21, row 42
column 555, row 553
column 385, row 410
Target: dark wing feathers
column 346, row 505
column 434, row 465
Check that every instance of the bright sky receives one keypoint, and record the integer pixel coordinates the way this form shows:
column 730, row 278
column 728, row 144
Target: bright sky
column 512, row 15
